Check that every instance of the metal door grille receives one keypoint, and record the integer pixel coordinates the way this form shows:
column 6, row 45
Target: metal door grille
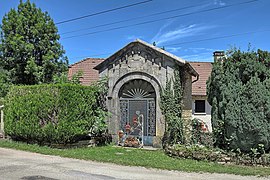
column 145, row 106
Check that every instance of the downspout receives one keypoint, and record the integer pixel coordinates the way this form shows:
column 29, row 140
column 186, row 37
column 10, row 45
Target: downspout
column 193, row 72
column 197, row 78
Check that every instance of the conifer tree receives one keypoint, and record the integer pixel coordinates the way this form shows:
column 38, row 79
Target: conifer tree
column 239, row 93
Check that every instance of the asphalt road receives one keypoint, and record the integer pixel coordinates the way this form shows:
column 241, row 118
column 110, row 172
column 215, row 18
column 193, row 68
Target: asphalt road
column 32, row 166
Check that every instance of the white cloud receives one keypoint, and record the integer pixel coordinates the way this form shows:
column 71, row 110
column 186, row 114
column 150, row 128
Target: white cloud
column 219, row 2
column 173, row 49
column 178, row 33
column 199, row 49
column 190, row 50
column 133, row 37
column 161, row 29
column 199, row 54
column 202, row 57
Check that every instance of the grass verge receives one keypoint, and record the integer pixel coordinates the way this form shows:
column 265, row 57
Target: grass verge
column 139, row 157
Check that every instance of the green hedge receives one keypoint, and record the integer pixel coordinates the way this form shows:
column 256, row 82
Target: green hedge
column 60, row 113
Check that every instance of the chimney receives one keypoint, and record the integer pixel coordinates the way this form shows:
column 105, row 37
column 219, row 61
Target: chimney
column 218, row 55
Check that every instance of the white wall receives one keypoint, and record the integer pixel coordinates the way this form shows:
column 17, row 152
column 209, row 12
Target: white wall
column 205, row 117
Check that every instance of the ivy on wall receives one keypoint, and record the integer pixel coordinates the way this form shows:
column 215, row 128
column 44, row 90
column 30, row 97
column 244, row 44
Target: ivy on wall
column 171, row 107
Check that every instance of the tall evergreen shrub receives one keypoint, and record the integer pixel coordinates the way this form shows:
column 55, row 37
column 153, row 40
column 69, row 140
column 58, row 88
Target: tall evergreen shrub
column 239, row 92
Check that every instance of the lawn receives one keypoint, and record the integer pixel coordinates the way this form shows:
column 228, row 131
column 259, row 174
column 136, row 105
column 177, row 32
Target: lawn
column 139, row 157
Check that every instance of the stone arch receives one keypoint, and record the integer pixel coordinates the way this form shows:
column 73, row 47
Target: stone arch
column 114, row 102
column 135, row 75
column 137, row 89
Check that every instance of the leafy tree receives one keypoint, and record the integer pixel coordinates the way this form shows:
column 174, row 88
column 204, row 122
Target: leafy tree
column 63, row 78
column 30, row 49
column 238, row 91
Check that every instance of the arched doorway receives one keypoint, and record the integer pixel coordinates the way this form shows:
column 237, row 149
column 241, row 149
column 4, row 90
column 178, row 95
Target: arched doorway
column 138, row 109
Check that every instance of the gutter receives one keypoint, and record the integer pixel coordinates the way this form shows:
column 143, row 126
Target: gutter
column 193, row 72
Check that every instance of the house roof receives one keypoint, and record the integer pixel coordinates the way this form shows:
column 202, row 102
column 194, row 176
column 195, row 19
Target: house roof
column 176, row 58
column 204, row 70
column 86, row 66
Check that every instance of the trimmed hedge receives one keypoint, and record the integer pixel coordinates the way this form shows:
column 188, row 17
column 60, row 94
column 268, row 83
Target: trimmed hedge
column 61, row 113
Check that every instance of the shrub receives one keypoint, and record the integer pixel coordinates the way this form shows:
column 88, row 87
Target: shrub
column 203, row 153
column 60, row 113
column 196, row 152
column 200, row 135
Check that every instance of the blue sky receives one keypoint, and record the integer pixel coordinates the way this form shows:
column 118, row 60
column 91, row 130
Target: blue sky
column 170, row 33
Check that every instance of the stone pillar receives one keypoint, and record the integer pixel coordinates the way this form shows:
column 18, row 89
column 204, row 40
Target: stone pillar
column 187, row 117
column 2, row 121
column 187, row 108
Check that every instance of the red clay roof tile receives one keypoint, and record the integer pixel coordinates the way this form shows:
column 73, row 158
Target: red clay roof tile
column 90, row 75
column 204, row 70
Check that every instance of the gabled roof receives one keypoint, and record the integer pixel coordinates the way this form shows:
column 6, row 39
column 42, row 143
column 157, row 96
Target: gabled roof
column 159, row 50
column 204, row 70
column 86, row 59
column 86, row 66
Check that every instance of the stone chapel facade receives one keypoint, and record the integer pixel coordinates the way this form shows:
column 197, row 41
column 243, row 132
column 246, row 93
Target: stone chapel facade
column 136, row 75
